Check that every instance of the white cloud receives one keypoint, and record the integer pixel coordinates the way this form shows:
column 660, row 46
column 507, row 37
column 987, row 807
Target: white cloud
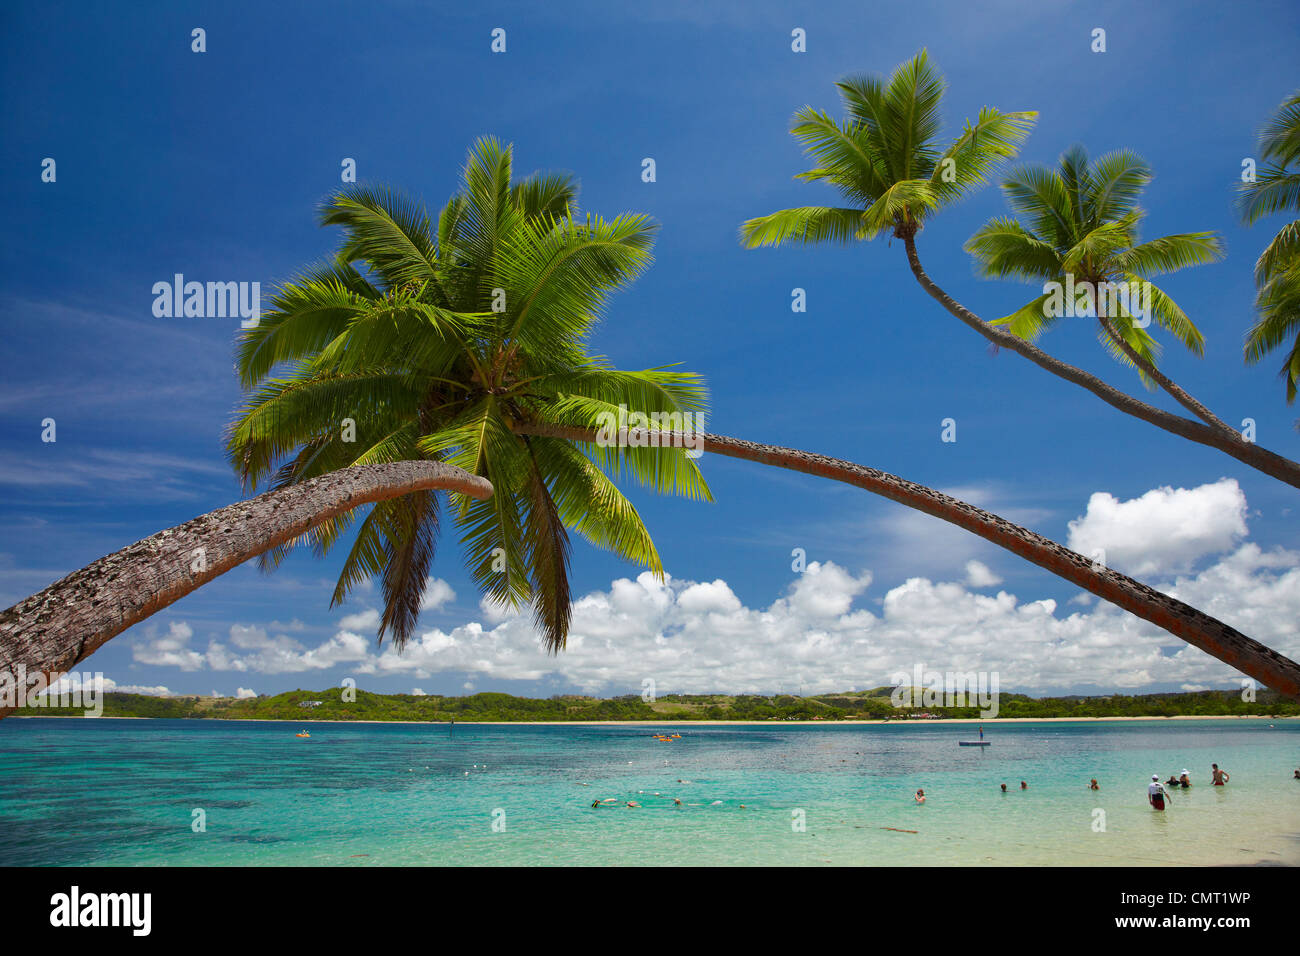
column 244, row 692
column 437, row 592
column 367, row 620
column 170, row 650
column 1164, row 531
column 699, row 636
column 978, row 575
column 281, row 654
column 417, row 692
column 72, row 683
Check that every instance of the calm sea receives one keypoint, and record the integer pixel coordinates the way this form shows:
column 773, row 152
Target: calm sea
column 128, row 792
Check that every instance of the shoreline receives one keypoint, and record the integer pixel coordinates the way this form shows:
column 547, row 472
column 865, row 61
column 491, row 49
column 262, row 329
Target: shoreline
column 670, row 722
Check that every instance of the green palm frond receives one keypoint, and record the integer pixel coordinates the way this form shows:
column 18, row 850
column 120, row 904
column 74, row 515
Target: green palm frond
column 444, row 347
column 1171, row 253
column 1137, row 339
column 1277, row 271
column 1079, row 227
column 885, row 160
column 1278, row 324
column 548, row 558
column 806, row 224
column 546, row 196
column 1279, row 254
column 1004, row 249
column 1167, row 314
column 983, row 145
column 1115, row 181
column 1043, row 197
column 1032, row 319
column 387, row 231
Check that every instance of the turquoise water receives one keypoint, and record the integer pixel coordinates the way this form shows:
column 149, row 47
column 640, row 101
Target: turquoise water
column 88, row 792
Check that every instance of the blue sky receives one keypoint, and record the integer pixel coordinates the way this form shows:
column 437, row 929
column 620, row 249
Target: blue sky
column 212, row 165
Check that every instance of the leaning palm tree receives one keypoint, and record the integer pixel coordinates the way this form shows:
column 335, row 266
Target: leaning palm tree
column 1080, row 234
column 424, row 341
column 1277, row 271
column 885, row 160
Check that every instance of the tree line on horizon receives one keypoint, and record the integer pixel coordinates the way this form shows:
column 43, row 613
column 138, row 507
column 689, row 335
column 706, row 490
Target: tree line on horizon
column 500, row 707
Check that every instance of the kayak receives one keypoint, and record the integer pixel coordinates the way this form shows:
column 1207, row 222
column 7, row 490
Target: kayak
column 973, row 743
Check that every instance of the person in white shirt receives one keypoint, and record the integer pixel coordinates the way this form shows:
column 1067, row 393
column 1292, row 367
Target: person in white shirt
column 1156, row 793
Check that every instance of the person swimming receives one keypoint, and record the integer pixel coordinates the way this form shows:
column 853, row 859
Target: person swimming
column 1004, row 788
column 1093, row 785
column 1172, row 781
column 1156, row 793
column 1184, row 779
column 1023, row 785
column 920, row 796
column 1217, row 776
column 1297, row 775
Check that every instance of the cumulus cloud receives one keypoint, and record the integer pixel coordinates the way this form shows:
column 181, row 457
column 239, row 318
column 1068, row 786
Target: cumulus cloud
column 71, row 683
column 978, row 575
column 1165, row 530
column 437, row 592
column 367, row 620
column 169, row 650
column 696, row 637
column 254, row 649
column 243, row 692
column 827, row 631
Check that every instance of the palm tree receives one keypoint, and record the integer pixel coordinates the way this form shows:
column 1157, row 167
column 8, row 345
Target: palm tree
column 1082, row 234
column 58, row 627
column 885, row 161
column 437, row 342
column 1277, row 272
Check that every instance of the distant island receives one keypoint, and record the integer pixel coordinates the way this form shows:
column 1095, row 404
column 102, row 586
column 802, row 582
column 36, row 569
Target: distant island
column 306, row 705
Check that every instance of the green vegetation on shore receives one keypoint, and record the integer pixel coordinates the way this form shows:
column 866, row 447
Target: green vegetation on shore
column 299, row 705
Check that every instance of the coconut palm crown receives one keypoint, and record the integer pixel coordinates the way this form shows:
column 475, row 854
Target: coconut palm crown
column 1277, row 272
column 885, row 160
column 1078, row 228
column 438, row 340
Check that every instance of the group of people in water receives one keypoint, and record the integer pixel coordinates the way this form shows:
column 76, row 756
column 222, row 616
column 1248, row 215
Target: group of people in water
column 1158, row 796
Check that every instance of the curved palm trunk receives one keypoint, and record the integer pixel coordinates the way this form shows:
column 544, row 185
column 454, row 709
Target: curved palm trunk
column 1228, row 441
column 1197, row 628
column 1181, row 396
column 51, row 631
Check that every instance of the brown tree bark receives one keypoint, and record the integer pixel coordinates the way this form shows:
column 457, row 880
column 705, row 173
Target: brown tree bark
column 1177, row 392
column 1182, row 620
column 50, row 632
column 1227, row 441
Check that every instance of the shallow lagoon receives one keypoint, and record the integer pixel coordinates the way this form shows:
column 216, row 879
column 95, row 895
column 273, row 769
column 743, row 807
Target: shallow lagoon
column 100, row 792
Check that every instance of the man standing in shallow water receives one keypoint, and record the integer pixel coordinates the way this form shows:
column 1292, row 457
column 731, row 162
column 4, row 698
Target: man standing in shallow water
column 1156, row 793
column 1219, row 777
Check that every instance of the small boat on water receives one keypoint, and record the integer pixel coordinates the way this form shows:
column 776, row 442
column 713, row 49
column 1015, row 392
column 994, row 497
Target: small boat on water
column 973, row 743
column 303, row 734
